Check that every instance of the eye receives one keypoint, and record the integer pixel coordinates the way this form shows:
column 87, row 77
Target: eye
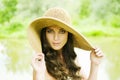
column 49, row 30
column 62, row 31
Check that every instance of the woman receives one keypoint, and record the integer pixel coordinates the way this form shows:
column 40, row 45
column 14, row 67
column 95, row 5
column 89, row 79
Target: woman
column 54, row 38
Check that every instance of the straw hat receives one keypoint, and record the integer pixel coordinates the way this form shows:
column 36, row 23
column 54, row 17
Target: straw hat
column 55, row 16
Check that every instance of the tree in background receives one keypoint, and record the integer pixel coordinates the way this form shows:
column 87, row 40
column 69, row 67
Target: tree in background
column 8, row 9
column 92, row 12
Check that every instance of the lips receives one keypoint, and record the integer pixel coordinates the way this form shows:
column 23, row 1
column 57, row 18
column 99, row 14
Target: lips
column 56, row 43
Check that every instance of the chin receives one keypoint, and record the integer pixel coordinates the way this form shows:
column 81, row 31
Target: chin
column 57, row 49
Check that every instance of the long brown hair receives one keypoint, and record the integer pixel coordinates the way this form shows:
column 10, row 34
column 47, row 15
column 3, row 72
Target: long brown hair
column 55, row 67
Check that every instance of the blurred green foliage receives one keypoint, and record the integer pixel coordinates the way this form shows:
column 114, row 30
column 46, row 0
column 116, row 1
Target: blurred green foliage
column 15, row 15
column 84, row 12
column 14, row 29
column 115, row 22
column 7, row 10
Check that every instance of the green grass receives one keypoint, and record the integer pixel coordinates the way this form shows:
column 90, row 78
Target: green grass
column 100, row 31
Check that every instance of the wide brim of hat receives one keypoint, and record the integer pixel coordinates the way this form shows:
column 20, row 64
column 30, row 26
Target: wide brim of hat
column 36, row 25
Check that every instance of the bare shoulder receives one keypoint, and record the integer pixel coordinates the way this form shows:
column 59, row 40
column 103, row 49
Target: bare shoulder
column 83, row 60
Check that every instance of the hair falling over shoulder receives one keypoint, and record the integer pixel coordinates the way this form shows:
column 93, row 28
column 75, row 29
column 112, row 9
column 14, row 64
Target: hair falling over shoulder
column 55, row 67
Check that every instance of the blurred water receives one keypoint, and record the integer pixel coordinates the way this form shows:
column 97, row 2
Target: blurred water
column 15, row 57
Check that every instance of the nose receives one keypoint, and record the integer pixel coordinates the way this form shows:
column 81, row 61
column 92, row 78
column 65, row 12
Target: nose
column 56, row 36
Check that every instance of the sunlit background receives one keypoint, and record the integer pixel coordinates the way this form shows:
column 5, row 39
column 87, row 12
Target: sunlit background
column 98, row 20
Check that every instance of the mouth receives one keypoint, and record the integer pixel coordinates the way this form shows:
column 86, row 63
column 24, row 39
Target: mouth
column 56, row 44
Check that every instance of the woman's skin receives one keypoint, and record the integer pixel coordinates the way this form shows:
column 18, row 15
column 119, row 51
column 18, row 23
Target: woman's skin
column 57, row 38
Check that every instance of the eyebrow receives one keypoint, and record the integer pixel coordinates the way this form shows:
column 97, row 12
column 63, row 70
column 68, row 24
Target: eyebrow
column 62, row 29
column 49, row 27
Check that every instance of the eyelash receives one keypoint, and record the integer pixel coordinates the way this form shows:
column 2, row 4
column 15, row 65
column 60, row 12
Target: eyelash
column 49, row 30
column 61, row 31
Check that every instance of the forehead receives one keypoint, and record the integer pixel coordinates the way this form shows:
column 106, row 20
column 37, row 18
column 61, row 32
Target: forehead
column 54, row 27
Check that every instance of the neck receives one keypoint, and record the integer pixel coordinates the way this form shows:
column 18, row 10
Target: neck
column 59, row 51
column 60, row 54
column 61, row 57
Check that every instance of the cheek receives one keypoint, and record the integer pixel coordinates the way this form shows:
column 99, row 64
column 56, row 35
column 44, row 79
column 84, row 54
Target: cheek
column 49, row 38
column 65, row 38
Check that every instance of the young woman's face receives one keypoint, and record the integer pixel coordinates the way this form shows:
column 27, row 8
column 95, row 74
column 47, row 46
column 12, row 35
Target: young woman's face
column 57, row 37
